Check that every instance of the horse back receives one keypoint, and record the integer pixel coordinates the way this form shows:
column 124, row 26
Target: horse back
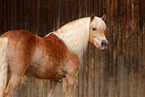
column 40, row 57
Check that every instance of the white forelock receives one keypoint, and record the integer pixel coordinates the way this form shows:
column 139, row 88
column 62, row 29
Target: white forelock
column 76, row 34
column 99, row 23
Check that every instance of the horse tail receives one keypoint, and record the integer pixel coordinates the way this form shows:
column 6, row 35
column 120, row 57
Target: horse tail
column 3, row 65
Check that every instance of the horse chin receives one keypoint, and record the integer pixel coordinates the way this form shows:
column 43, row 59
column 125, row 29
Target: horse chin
column 103, row 48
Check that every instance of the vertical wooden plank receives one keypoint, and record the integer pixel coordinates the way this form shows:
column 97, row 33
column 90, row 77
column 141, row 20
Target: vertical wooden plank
column 82, row 8
column 141, row 14
column 44, row 20
column 35, row 15
column 122, row 75
column 23, row 87
column 4, row 16
column 112, row 53
column 44, row 88
column 1, row 16
column 143, row 42
column 20, row 14
column 36, row 88
column 109, row 15
column 97, row 73
column 134, row 64
column 28, row 87
column 38, row 15
column 39, row 88
column 39, row 18
column 32, row 87
column 75, row 10
column 141, row 37
column 17, row 17
column 62, row 12
column 14, row 14
column 69, row 14
column 91, row 71
column 30, row 14
column 96, row 7
column 109, row 33
column 100, row 8
column 23, row 14
column 10, row 12
column 86, row 64
column 46, row 13
column 140, row 43
column 57, row 15
column 143, row 74
column 115, row 44
column 90, row 8
column 6, row 9
column 80, row 79
column 128, row 42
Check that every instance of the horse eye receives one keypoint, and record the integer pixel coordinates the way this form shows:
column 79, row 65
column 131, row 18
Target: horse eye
column 94, row 29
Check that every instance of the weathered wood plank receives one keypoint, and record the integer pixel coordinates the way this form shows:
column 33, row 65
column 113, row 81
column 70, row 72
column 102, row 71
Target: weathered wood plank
column 118, row 72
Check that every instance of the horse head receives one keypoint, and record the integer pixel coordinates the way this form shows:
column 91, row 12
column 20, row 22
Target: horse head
column 97, row 33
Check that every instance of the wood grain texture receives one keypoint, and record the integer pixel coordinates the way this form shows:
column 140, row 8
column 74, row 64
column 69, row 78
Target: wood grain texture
column 117, row 72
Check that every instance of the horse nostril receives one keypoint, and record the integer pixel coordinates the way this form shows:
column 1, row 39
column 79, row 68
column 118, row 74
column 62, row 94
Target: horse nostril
column 103, row 43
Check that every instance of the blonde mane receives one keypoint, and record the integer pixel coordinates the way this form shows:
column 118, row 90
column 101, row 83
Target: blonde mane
column 76, row 34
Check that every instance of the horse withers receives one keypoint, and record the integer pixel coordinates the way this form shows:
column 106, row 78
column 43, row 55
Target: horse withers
column 53, row 57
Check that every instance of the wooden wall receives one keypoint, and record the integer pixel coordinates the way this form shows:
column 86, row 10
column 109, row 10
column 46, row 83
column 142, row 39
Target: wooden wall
column 117, row 72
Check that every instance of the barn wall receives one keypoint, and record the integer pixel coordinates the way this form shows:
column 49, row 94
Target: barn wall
column 117, row 72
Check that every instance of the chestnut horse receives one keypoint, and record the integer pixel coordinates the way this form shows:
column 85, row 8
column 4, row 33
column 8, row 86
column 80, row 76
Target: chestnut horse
column 53, row 57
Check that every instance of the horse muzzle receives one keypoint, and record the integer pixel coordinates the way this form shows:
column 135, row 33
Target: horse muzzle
column 104, row 45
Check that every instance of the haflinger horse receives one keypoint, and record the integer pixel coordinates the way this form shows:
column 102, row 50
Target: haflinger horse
column 53, row 57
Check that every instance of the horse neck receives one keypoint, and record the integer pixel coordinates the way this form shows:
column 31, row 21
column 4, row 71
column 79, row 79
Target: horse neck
column 75, row 35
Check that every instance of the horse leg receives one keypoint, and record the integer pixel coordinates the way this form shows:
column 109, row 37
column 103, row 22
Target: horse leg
column 12, row 84
column 71, row 80
column 52, row 87
column 16, row 72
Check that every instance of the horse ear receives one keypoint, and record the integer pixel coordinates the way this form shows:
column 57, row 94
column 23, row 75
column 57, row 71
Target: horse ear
column 92, row 16
column 103, row 17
